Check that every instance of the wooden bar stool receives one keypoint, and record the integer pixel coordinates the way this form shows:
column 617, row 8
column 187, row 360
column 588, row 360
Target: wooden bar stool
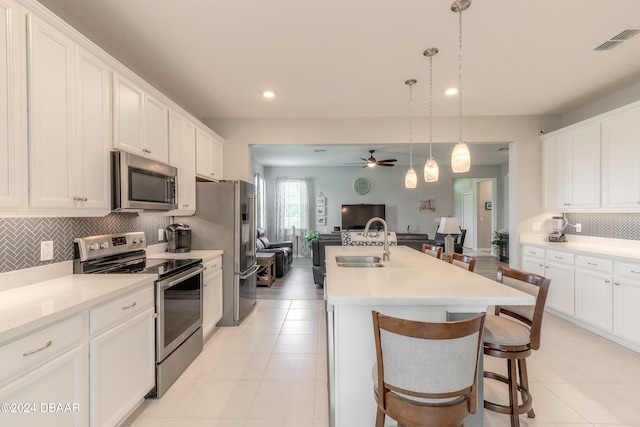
column 433, row 250
column 514, row 339
column 426, row 372
column 462, row 261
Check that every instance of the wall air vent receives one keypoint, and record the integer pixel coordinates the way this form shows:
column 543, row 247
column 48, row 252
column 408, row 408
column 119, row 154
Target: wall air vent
column 616, row 40
column 626, row 34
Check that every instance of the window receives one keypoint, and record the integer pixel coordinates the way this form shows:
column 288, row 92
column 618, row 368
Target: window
column 292, row 207
column 292, row 204
column 261, row 220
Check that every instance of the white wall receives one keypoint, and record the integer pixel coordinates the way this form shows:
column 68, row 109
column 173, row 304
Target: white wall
column 387, row 187
column 608, row 102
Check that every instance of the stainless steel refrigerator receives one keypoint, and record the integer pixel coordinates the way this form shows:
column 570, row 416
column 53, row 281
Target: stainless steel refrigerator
column 225, row 219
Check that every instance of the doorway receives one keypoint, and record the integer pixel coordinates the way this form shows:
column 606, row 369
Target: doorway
column 468, row 220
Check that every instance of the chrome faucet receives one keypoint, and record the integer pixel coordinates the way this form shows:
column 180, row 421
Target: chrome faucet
column 385, row 250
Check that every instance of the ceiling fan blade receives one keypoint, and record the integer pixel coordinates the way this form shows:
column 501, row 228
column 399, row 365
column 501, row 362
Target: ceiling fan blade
column 385, row 164
column 387, row 160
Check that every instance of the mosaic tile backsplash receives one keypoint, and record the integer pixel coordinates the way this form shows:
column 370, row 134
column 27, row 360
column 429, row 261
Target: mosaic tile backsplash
column 20, row 237
column 612, row 225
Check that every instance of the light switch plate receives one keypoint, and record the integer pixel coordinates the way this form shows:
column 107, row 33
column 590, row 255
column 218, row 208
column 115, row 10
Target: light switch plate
column 160, row 234
column 578, row 228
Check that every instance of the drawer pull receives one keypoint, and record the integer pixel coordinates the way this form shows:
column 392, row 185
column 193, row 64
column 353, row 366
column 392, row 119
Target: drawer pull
column 129, row 306
column 532, row 253
column 636, row 272
column 592, row 263
column 47, row 345
column 558, row 257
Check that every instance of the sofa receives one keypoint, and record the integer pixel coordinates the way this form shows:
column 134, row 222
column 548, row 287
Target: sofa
column 283, row 251
column 413, row 240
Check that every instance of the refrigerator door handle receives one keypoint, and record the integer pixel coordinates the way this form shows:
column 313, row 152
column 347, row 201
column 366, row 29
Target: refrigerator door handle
column 254, row 226
column 250, row 272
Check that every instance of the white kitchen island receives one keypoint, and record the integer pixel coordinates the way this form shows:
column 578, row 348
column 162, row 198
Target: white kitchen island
column 411, row 285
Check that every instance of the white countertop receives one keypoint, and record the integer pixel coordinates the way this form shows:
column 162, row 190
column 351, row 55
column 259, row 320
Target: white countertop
column 411, row 278
column 624, row 250
column 28, row 308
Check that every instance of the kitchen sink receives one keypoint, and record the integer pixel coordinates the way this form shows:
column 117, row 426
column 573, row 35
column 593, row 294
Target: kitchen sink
column 359, row 261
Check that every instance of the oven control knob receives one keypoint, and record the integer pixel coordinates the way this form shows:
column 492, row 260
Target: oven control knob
column 104, row 245
column 93, row 246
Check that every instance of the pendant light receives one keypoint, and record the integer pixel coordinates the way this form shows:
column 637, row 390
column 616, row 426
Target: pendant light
column 460, row 157
column 431, row 171
column 410, row 179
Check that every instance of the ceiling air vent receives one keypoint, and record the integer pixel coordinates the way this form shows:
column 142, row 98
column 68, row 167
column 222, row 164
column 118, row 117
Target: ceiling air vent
column 616, row 40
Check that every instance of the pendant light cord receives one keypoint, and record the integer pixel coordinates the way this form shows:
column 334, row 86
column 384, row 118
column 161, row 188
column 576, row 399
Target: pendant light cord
column 411, row 125
column 460, row 77
column 430, row 104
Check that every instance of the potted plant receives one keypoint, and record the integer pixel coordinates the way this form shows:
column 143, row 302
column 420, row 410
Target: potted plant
column 495, row 242
column 313, row 234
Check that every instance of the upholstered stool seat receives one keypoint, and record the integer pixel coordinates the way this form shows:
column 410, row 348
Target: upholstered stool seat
column 499, row 331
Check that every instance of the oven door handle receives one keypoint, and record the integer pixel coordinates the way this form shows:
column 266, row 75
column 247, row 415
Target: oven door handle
column 251, row 272
column 183, row 278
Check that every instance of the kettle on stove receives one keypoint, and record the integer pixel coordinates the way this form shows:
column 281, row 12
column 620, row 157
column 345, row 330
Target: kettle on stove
column 178, row 238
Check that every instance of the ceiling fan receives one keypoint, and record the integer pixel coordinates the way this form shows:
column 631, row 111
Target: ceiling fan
column 372, row 162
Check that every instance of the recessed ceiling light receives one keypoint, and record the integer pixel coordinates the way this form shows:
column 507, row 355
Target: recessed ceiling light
column 451, row 91
column 268, row 94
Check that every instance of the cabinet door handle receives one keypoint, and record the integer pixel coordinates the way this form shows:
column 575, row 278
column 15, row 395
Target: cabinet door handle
column 635, row 272
column 129, row 306
column 592, row 263
column 616, row 283
column 607, row 281
column 47, row 345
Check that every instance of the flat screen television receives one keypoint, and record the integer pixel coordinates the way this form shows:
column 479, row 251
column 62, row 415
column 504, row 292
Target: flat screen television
column 355, row 217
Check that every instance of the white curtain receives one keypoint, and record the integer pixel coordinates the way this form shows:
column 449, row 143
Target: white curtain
column 283, row 232
column 280, row 200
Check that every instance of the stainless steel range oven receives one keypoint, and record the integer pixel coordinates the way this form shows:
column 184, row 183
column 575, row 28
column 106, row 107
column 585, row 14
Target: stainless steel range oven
column 178, row 296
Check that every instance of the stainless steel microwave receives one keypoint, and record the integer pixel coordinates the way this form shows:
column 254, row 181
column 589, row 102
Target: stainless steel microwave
column 141, row 184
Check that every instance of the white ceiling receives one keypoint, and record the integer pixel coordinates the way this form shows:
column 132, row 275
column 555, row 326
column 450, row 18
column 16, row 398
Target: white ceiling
column 350, row 58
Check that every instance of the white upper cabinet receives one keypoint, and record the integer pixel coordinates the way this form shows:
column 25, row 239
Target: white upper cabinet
column 12, row 152
column 621, row 161
column 594, row 164
column 572, row 169
column 140, row 121
column 208, row 156
column 182, row 154
column 68, row 124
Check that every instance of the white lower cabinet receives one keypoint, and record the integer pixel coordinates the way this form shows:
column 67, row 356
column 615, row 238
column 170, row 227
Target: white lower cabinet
column 43, row 377
column 626, row 300
column 599, row 293
column 122, row 357
column 594, row 292
column 212, row 294
column 533, row 260
column 53, row 395
column 559, row 268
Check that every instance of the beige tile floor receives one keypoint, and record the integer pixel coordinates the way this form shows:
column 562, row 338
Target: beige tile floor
column 271, row 371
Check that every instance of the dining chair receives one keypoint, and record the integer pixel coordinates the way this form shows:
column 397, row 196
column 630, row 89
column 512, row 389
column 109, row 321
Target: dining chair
column 433, row 250
column 462, row 261
column 511, row 334
column 425, row 373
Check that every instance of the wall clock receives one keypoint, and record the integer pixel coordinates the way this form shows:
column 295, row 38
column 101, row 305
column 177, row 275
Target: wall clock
column 361, row 186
